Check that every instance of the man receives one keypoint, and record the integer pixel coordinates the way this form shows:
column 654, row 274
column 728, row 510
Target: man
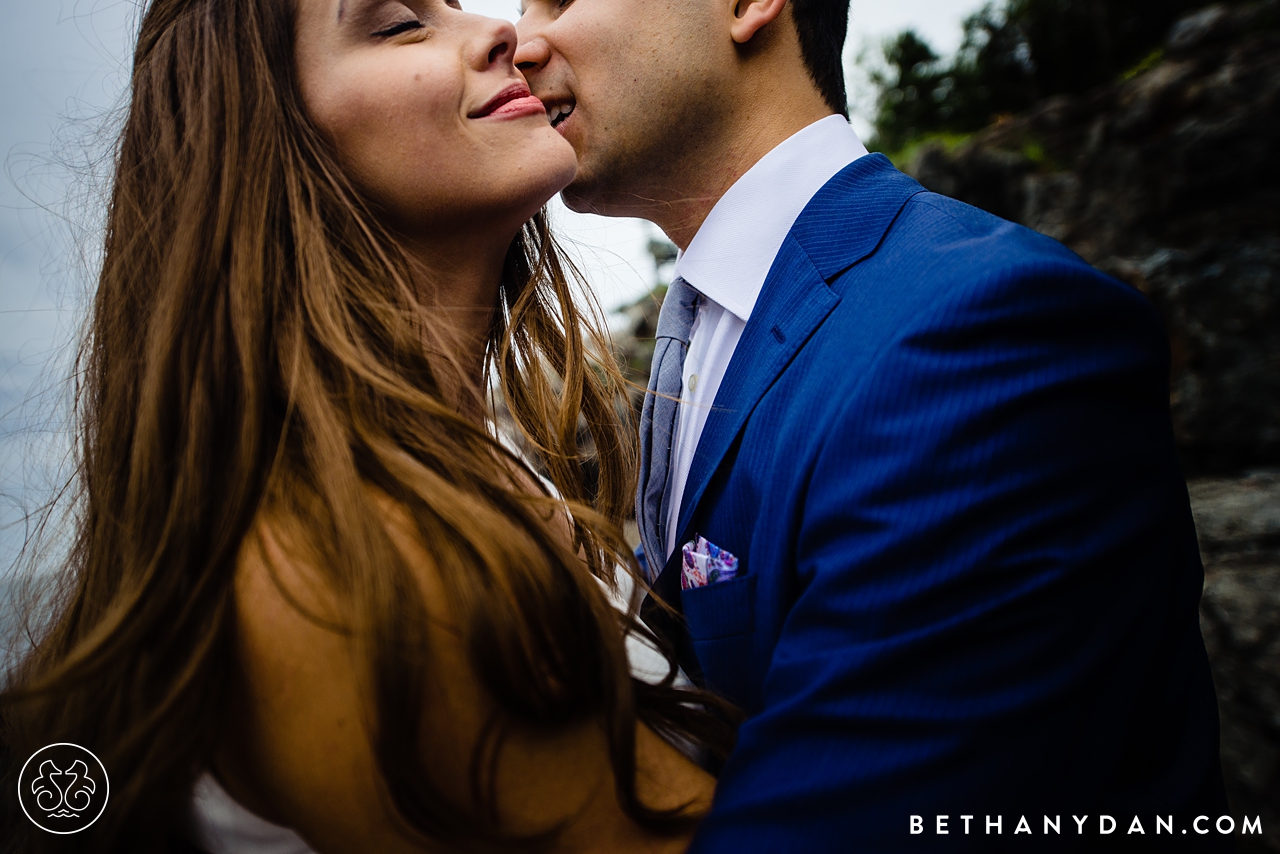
column 938, row 445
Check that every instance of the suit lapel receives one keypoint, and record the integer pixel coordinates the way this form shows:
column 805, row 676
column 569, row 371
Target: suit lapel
column 840, row 226
column 793, row 303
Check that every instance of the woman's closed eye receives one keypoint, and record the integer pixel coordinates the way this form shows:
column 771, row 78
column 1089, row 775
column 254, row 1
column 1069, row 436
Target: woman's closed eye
column 398, row 28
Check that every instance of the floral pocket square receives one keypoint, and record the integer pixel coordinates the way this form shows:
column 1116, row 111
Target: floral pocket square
column 705, row 563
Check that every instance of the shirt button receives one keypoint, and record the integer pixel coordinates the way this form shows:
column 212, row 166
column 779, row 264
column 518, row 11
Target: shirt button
column 693, row 382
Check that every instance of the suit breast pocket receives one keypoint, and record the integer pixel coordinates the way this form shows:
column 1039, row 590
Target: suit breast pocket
column 720, row 610
column 721, row 619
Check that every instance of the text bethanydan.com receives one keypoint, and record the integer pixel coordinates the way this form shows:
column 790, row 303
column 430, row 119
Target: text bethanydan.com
column 1102, row 825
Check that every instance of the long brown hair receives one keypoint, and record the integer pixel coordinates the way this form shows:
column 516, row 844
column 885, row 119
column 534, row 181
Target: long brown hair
column 256, row 346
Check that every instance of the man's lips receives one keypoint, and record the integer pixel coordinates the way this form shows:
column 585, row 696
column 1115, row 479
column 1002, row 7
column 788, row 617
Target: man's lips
column 515, row 100
column 560, row 110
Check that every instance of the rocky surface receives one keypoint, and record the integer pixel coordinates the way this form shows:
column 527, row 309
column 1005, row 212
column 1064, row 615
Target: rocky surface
column 1169, row 180
column 1238, row 520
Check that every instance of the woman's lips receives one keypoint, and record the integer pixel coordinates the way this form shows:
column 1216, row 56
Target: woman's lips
column 513, row 101
column 527, row 105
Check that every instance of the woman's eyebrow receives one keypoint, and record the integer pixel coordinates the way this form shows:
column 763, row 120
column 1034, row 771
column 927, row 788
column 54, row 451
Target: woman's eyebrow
column 342, row 8
column 361, row 9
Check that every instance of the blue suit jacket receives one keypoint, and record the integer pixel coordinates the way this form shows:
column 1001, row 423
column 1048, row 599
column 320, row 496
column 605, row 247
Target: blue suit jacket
column 943, row 455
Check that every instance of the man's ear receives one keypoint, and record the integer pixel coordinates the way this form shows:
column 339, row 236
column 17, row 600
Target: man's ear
column 750, row 16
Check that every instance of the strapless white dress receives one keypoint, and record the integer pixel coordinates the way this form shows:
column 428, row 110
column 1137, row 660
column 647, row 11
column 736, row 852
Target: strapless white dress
column 218, row 824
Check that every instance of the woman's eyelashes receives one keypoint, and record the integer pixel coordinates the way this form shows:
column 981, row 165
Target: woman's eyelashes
column 422, row 17
column 398, row 28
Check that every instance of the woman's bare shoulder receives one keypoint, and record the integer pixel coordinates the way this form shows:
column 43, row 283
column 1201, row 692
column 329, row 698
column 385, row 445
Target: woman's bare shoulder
column 300, row 746
column 296, row 745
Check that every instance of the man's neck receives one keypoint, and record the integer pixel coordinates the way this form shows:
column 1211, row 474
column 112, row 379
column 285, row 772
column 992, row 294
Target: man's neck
column 717, row 166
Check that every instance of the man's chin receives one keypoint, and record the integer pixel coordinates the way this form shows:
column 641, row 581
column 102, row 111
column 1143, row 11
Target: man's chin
column 579, row 199
column 588, row 196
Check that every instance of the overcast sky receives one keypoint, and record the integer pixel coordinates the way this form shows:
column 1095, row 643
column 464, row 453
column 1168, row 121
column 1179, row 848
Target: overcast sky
column 63, row 68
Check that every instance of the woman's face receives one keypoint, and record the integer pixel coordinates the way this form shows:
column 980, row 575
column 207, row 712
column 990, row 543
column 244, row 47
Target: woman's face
column 424, row 106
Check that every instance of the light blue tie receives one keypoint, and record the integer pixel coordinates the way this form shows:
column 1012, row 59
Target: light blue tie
column 658, row 421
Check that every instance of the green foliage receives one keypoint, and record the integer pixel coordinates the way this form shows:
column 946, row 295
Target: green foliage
column 902, row 156
column 1014, row 54
column 1148, row 62
column 912, row 90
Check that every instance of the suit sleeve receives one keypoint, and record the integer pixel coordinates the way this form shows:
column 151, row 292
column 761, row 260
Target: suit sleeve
column 997, row 584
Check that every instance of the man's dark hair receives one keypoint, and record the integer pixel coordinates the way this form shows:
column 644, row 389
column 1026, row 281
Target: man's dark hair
column 822, row 25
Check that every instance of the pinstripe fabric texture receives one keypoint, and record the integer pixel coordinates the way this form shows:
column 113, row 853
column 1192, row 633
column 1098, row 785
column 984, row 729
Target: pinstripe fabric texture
column 969, row 574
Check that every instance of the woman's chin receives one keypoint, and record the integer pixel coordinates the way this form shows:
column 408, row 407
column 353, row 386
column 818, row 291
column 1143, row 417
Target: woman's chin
column 550, row 184
column 509, row 191
column 560, row 163
column 539, row 176
column 530, row 176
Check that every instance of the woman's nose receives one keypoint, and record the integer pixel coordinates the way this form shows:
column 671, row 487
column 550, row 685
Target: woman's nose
column 497, row 45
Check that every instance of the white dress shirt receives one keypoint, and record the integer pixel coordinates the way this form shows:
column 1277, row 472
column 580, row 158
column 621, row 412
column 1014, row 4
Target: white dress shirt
column 727, row 262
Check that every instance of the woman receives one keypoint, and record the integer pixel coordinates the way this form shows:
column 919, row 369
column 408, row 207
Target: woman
column 304, row 565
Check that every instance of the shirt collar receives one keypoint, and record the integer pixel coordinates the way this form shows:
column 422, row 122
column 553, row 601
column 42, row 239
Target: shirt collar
column 730, row 256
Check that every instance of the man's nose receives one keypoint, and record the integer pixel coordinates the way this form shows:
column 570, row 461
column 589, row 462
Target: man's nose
column 532, row 50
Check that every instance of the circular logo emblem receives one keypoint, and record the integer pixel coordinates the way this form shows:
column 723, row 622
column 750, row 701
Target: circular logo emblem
column 63, row 788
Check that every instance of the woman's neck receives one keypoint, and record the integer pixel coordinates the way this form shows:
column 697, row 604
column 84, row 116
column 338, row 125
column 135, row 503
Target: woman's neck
column 458, row 283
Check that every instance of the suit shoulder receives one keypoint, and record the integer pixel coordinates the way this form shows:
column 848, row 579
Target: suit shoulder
column 953, row 251
column 962, row 231
column 967, row 281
